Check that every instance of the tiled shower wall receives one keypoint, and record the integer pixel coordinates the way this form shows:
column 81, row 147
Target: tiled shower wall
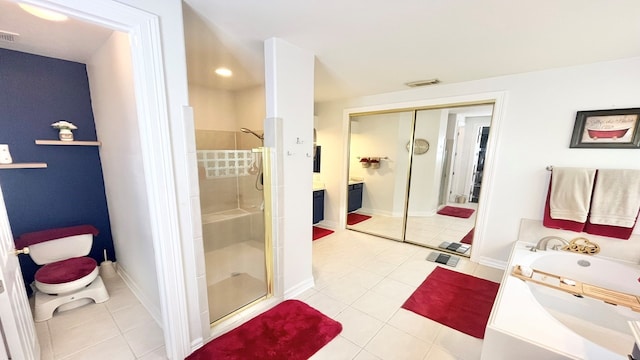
column 229, row 189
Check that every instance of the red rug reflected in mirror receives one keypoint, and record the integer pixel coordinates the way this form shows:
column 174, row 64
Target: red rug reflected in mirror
column 459, row 301
column 354, row 218
column 468, row 239
column 319, row 232
column 456, row 211
column 291, row 330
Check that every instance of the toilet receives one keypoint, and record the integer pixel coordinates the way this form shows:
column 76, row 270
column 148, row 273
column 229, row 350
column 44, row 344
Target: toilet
column 69, row 278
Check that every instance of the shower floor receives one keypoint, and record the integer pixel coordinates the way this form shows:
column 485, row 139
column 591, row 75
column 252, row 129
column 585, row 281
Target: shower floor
column 228, row 295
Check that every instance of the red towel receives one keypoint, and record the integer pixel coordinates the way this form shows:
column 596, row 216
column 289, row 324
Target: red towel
column 559, row 223
column 617, row 232
column 52, row 234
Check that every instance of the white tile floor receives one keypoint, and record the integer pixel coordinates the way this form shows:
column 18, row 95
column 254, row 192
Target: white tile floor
column 362, row 282
column 120, row 328
column 424, row 230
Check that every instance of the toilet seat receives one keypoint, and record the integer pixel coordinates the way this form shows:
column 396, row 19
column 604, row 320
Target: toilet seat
column 66, row 275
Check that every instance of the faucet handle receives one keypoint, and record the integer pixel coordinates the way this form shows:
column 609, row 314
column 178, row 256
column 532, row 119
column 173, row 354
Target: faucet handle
column 532, row 248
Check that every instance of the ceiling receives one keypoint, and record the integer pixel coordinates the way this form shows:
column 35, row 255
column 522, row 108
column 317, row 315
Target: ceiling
column 365, row 47
column 71, row 40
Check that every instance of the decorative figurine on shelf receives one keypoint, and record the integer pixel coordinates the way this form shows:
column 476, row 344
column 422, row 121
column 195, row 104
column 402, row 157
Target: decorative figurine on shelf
column 5, row 156
column 65, row 128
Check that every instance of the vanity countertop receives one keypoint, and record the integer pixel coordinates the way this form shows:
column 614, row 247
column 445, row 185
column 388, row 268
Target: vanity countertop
column 356, row 180
column 317, row 186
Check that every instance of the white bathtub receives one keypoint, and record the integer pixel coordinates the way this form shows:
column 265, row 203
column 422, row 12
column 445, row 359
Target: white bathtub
column 531, row 321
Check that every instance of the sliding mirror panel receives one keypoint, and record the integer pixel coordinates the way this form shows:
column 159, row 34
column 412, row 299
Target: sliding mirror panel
column 378, row 173
column 446, row 176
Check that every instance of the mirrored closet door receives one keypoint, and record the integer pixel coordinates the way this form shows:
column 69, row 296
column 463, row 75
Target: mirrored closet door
column 378, row 173
column 415, row 175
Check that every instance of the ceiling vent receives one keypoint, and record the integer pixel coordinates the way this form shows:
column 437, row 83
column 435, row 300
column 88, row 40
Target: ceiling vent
column 8, row 36
column 422, row 83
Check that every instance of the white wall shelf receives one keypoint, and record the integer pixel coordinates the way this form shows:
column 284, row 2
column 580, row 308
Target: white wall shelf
column 24, row 166
column 77, row 143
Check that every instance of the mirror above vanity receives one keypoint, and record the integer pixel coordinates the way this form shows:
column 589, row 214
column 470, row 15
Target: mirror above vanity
column 405, row 166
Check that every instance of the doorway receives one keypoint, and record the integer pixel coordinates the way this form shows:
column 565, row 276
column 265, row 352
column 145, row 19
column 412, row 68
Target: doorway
column 480, row 153
column 155, row 161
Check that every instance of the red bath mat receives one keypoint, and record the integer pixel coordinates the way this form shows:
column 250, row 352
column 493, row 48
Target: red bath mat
column 354, row 218
column 456, row 211
column 459, row 301
column 292, row 330
column 319, row 232
column 468, row 239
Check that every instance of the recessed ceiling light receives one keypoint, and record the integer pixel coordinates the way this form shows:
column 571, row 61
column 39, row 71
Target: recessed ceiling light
column 43, row 13
column 224, row 72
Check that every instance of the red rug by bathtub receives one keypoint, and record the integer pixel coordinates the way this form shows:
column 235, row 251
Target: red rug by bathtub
column 456, row 211
column 459, row 301
column 354, row 218
column 292, row 330
column 468, row 239
column 319, row 232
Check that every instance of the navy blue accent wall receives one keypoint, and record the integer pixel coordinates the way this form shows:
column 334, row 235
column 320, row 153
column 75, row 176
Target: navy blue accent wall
column 36, row 91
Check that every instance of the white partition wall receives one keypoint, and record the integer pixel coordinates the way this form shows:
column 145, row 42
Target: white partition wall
column 289, row 93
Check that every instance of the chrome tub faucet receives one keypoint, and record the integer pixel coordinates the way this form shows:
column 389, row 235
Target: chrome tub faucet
column 544, row 243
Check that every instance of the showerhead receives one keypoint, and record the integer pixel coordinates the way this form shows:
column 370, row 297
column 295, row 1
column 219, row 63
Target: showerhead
column 248, row 131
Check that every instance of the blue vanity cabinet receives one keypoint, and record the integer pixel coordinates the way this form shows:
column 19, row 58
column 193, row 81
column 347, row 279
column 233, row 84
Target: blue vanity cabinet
column 355, row 197
column 318, row 206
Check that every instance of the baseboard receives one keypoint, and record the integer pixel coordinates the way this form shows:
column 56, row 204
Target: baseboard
column 422, row 213
column 144, row 300
column 369, row 211
column 486, row 261
column 327, row 224
column 299, row 289
column 196, row 344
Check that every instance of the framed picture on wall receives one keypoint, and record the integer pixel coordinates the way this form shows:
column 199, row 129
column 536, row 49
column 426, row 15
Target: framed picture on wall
column 618, row 128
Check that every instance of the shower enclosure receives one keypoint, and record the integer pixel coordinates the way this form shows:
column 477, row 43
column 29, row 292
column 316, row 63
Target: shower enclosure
column 230, row 166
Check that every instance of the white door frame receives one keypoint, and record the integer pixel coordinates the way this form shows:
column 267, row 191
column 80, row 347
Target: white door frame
column 153, row 120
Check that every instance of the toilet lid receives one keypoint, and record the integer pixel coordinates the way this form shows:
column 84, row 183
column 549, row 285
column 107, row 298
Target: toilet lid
column 65, row 271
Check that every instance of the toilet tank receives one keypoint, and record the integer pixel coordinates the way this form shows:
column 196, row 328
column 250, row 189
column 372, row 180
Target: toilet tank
column 55, row 244
column 61, row 248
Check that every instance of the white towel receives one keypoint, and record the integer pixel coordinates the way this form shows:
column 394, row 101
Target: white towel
column 616, row 198
column 571, row 193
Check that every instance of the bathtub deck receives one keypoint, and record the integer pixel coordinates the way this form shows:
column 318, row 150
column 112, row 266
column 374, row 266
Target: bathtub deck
column 579, row 288
column 561, row 326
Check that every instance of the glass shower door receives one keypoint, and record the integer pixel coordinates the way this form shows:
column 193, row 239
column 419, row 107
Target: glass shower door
column 233, row 224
